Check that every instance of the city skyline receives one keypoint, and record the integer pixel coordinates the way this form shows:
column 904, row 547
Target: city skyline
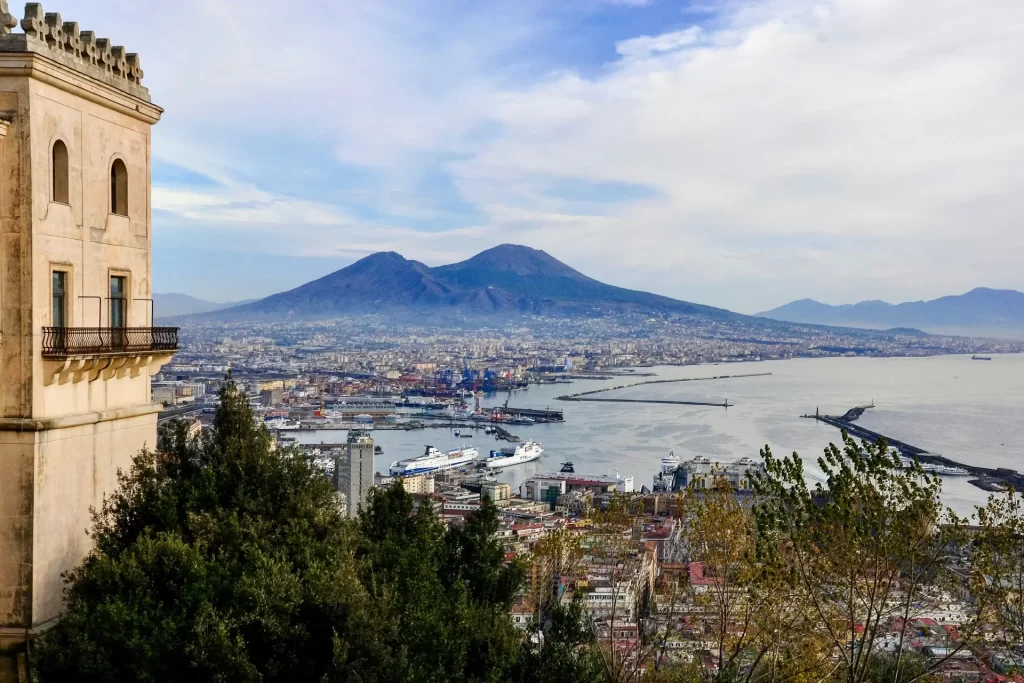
column 736, row 154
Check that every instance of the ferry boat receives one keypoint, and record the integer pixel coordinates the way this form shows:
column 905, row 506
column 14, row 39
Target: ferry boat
column 526, row 451
column 434, row 460
column 670, row 463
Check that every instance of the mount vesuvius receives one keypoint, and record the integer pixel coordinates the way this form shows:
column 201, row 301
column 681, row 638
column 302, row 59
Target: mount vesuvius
column 508, row 279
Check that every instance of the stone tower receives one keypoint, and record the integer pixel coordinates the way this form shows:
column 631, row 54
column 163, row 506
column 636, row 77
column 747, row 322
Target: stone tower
column 353, row 474
column 77, row 342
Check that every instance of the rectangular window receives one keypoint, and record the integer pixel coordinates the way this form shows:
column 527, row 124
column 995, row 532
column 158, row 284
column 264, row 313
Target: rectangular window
column 60, row 299
column 118, row 301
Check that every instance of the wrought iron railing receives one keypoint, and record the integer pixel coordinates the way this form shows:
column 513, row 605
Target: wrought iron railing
column 59, row 342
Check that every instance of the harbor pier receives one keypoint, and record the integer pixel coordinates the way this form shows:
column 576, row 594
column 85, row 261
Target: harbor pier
column 589, row 395
column 987, row 478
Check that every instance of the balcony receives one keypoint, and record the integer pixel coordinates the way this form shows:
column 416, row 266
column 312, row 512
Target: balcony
column 73, row 354
column 63, row 342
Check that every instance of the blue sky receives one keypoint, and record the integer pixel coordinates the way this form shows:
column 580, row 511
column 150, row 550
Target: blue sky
column 739, row 153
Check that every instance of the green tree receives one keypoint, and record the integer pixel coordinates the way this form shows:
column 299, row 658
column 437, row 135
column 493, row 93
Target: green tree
column 565, row 650
column 756, row 616
column 443, row 596
column 868, row 548
column 218, row 559
column 998, row 567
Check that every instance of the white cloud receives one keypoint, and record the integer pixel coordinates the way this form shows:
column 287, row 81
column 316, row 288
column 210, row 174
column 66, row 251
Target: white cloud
column 243, row 207
column 646, row 46
column 842, row 149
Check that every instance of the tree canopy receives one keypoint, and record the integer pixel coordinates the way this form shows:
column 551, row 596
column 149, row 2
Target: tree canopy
column 223, row 558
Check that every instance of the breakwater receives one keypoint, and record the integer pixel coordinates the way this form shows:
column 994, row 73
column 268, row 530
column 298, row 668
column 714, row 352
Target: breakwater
column 724, row 404
column 987, row 478
column 589, row 395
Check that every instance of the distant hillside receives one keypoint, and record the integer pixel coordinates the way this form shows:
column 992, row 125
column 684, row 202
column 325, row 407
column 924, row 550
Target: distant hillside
column 507, row 279
column 173, row 304
column 979, row 312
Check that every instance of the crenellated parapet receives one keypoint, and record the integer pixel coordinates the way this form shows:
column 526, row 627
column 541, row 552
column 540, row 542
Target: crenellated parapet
column 47, row 33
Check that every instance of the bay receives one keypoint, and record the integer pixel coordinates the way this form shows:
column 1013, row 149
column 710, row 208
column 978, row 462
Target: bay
column 968, row 410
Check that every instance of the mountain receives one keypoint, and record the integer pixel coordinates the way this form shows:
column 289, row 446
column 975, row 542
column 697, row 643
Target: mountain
column 173, row 304
column 979, row 312
column 506, row 279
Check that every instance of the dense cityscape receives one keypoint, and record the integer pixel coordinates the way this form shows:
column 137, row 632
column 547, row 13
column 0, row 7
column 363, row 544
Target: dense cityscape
column 653, row 600
column 377, row 346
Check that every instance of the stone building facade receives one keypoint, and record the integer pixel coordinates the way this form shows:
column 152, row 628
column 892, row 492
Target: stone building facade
column 77, row 342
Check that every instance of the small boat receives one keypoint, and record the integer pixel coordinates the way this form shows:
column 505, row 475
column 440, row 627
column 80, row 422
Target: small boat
column 456, row 432
column 568, row 468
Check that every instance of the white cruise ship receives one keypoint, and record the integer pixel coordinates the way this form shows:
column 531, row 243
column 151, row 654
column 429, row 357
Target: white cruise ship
column 525, row 451
column 670, row 463
column 434, row 460
column 930, row 468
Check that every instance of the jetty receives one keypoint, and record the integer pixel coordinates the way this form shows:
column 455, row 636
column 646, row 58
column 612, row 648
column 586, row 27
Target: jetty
column 987, row 478
column 500, row 433
column 589, row 395
column 724, row 404
column 533, row 413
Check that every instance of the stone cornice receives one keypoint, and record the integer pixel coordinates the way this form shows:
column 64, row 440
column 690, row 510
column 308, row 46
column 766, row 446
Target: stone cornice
column 26, row 424
column 81, row 50
column 93, row 367
column 42, row 68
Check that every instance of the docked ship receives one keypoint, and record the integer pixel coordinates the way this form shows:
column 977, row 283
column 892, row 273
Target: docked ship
column 663, row 479
column 931, row 468
column 526, row 451
column 280, row 423
column 434, row 460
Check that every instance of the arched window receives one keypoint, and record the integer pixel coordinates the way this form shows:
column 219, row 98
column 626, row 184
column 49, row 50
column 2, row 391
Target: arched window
column 119, row 188
column 59, row 165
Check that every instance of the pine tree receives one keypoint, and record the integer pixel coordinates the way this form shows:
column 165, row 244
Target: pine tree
column 218, row 559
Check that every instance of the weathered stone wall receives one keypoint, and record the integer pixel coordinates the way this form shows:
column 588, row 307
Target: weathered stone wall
column 64, row 435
